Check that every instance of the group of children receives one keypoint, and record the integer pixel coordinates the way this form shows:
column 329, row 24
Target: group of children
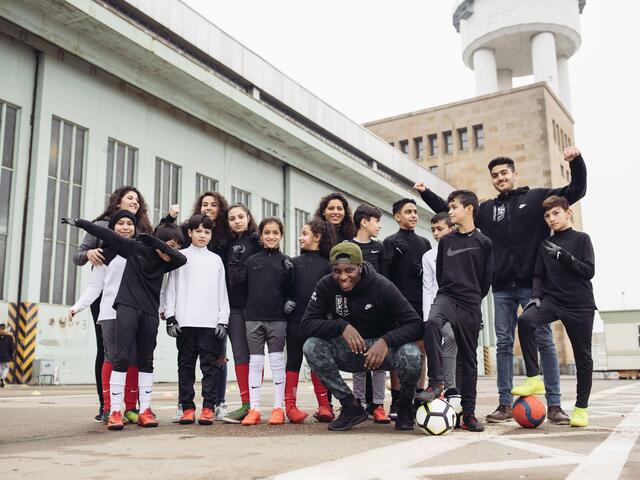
column 227, row 277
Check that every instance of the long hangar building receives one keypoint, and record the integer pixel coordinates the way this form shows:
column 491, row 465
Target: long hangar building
column 97, row 94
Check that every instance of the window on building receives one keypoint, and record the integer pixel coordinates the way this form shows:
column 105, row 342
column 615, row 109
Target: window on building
column 463, row 138
column 8, row 122
column 301, row 218
column 121, row 166
column 433, row 145
column 478, row 134
column 167, row 187
column 562, row 137
column 639, row 334
column 434, row 169
column 241, row 196
column 562, row 171
column 555, row 134
column 205, row 184
column 403, row 145
column 419, row 147
column 269, row 208
column 448, row 142
column 64, row 192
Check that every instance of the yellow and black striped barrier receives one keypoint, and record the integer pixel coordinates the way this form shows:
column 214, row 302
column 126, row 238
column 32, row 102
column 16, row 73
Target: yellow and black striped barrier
column 24, row 322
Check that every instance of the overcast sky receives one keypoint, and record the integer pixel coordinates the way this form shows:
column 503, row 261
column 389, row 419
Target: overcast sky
column 374, row 58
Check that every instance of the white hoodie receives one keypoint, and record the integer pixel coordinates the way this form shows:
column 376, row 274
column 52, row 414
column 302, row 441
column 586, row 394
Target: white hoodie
column 196, row 293
column 105, row 279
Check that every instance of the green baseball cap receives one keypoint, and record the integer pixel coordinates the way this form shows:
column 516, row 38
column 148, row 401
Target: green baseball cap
column 346, row 252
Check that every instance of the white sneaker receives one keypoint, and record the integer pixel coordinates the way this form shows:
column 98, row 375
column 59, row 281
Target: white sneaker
column 176, row 418
column 221, row 411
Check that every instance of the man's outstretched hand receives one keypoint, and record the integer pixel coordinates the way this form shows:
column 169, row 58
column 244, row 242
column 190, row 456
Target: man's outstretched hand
column 571, row 153
column 68, row 221
column 420, row 186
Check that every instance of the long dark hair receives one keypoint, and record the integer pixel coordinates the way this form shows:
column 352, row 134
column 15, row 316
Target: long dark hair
column 220, row 229
column 347, row 229
column 251, row 227
column 327, row 234
column 142, row 217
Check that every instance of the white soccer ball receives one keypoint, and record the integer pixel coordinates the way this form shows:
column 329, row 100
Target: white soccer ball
column 455, row 400
column 436, row 418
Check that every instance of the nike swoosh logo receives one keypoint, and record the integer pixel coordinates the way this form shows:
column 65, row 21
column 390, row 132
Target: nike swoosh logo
column 279, row 383
column 452, row 252
column 115, row 393
column 256, row 387
column 148, row 391
column 375, row 251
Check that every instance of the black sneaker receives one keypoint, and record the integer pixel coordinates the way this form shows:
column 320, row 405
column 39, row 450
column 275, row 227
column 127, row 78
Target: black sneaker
column 99, row 417
column 430, row 394
column 350, row 416
column 404, row 419
column 1, row 382
column 471, row 423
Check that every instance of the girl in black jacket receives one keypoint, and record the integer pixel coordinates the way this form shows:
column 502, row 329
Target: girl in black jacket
column 268, row 275
column 242, row 243
column 316, row 239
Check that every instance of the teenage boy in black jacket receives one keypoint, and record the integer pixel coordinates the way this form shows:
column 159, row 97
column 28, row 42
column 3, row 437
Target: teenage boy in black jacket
column 514, row 222
column 404, row 250
column 464, row 268
column 148, row 259
column 561, row 290
column 358, row 320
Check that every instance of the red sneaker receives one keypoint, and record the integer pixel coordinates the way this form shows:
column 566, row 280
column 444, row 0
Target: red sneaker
column 147, row 419
column 277, row 417
column 115, row 421
column 252, row 418
column 207, row 416
column 324, row 414
column 380, row 416
column 188, row 416
column 295, row 415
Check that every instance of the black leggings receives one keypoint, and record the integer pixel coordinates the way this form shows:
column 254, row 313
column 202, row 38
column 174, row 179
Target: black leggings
column 294, row 346
column 135, row 329
column 578, row 324
column 95, row 312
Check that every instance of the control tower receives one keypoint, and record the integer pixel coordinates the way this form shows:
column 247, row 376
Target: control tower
column 502, row 39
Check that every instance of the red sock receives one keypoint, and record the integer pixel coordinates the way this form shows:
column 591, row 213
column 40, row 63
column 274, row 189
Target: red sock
column 290, row 387
column 242, row 377
column 106, row 391
column 131, row 388
column 320, row 390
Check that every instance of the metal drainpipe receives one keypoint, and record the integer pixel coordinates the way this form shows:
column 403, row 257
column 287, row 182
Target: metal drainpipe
column 25, row 208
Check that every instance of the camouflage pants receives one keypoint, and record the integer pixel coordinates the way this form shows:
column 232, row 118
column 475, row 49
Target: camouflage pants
column 327, row 357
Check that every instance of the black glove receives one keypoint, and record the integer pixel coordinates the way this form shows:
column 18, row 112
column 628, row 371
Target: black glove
column 287, row 265
column 400, row 246
column 416, row 269
column 533, row 302
column 173, row 329
column 221, row 330
column 554, row 251
column 289, row 306
column 68, row 221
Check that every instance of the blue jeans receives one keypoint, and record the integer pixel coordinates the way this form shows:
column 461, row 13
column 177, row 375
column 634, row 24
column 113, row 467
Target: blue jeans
column 506, row 317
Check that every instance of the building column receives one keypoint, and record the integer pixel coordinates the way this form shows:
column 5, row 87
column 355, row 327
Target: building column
column 484, row 64
column 563, row 80
column 545, row 64
column 505, row 77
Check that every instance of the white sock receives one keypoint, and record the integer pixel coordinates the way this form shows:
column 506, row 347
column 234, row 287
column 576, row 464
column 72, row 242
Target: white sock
column 117, row 390
column 256, row 364
column 145, row 387
column 276, row 361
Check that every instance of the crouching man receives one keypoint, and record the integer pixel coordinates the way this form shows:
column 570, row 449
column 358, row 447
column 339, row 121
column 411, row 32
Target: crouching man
column 357, row 320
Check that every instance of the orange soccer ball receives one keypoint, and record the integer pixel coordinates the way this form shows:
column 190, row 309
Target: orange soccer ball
column 529, row 411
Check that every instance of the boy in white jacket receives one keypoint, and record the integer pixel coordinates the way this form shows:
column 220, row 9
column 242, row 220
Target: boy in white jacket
column 197, row 314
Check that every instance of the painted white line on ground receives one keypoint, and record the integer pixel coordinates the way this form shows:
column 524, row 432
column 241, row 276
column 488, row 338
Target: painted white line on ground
column 608, row 459
column 510, row 441
column 421, row 472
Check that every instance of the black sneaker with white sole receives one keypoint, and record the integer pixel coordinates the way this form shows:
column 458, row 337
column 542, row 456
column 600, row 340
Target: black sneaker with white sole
column 471, row 423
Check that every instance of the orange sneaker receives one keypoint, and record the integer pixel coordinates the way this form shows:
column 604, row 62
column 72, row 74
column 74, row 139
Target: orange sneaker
column 252, row 418
column 277, row 417
column 188, row 416
column 207, row 416
column 115, row 421
column 324, row 414
column 380, row 416
column 147, row 419
column 295, row 415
